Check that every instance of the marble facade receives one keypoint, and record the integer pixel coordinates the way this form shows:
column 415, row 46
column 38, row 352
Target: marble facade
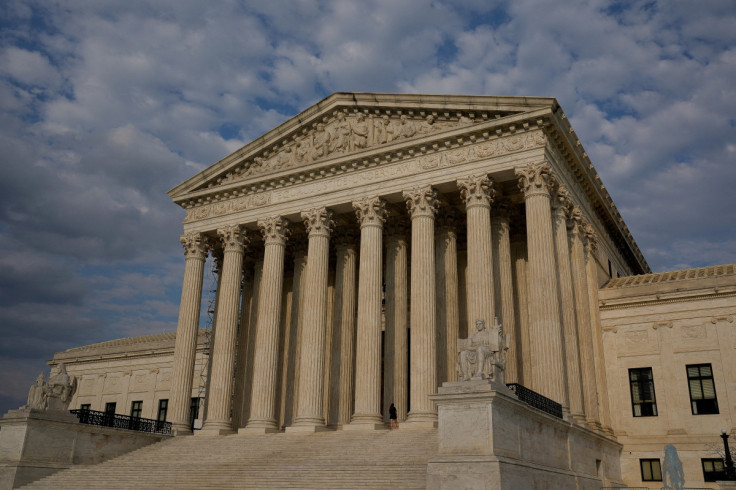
column 429, row 195
column 358, row 240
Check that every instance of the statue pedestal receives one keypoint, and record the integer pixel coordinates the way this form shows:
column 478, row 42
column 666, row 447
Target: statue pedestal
column 36, row 443
column 490, row 439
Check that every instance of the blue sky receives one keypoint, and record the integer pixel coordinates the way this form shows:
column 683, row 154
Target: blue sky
column 106, row 105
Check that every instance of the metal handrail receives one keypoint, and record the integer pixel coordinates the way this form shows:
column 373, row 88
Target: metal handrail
column 107, row 419
column 535, row 400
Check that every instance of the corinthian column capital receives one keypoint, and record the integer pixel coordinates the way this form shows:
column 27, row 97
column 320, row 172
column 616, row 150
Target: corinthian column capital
column 591, row 238
column 477, row 190
column 196, row 245
column 233, row 238
column 371, row 211
column 535, row 179
column 421, row 201
column 275, row 230
column 318, row 222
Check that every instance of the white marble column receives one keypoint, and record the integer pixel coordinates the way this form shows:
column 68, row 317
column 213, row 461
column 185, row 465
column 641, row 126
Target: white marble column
column 448, row 315
column 477, row 192
column 223, row 353
column 600, row 364
column 422, row 203
column 343, row 337
column 263, row 400
column 251, row 342
column 521, row 311
column 195, row 247
column 547, row 352
column 371, row 215
column 290, row 383
column 504, row 286
column 310, row 408
column 582, row 313
column 561, row 203
column 244, row 328
column 395, row 380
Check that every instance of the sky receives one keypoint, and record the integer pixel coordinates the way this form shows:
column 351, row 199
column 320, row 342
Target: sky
column 106, row 105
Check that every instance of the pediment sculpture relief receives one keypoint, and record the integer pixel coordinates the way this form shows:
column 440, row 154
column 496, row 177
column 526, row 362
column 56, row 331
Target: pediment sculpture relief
column 344, row 133
column 483, row 354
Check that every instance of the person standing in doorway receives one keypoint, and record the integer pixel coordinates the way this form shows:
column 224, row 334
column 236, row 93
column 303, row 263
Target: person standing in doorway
column 393, row 417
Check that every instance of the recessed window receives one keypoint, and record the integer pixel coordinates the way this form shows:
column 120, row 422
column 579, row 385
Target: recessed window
column 703, row 399
column 650, row 470
column 110, row 407
column 85, row 406
column 163, row 408
column 193, row 411
column 136, row 409
column 643, row 400
column 713, row 469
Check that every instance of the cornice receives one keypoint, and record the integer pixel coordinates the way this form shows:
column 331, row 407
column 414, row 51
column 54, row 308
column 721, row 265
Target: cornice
column 582, row 170
column 608, row 305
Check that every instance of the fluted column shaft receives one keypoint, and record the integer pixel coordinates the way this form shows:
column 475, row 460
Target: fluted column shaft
column 371, row 215
column 292, row 348
column 310, row 408
column 252, row 330
column 396, row 387
column 477, row 191
column 521, row 311
column 600, row 365
column 185, row 348
column 343, row 342
column 448, row 314
column 263, row 401
column 244, row 328
column 422, row 204
column 561, row 204
column 547, row 352
column 223, row 352
column 582, row 312
column 504, row 288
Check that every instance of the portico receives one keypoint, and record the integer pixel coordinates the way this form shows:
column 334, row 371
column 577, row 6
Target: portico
column 363, row 236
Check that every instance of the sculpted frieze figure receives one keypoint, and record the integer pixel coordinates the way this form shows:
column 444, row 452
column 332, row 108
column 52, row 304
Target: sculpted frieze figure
column 483, row 354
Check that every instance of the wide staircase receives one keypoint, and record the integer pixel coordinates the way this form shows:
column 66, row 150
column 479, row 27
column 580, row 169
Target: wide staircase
column 339, row 459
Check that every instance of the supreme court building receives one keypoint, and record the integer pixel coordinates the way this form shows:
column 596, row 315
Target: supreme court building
column 357, row 241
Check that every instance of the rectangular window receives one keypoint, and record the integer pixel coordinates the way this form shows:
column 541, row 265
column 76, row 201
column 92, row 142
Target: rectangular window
column 713, row 469
column 163, row 408
column 193, row 411
column 110, row 407
column 703, row 399
column 136, row 409
column 643, row 400
column 85, row 406
column 650, row 470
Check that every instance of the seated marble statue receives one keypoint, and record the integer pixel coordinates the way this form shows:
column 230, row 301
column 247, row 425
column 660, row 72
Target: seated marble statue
column 59, row 389
column 36, row 396
column 483, row 354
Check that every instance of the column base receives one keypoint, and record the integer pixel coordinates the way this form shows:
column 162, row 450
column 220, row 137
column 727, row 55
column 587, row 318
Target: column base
column 364, row 426
column 181, row 430
column 420, row 420
column 257, row 430
column 306, row 428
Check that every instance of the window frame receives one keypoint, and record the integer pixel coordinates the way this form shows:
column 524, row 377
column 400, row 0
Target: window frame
column 652, row 404
column 136, row 406
column 85, row 406
column 649, row 461
column 702, row 408
column 163, row 408
column 717, row 475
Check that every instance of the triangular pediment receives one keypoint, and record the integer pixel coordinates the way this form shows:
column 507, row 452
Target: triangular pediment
column 349, row 123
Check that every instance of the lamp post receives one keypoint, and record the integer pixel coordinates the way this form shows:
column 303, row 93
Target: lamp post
column 730, row 470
